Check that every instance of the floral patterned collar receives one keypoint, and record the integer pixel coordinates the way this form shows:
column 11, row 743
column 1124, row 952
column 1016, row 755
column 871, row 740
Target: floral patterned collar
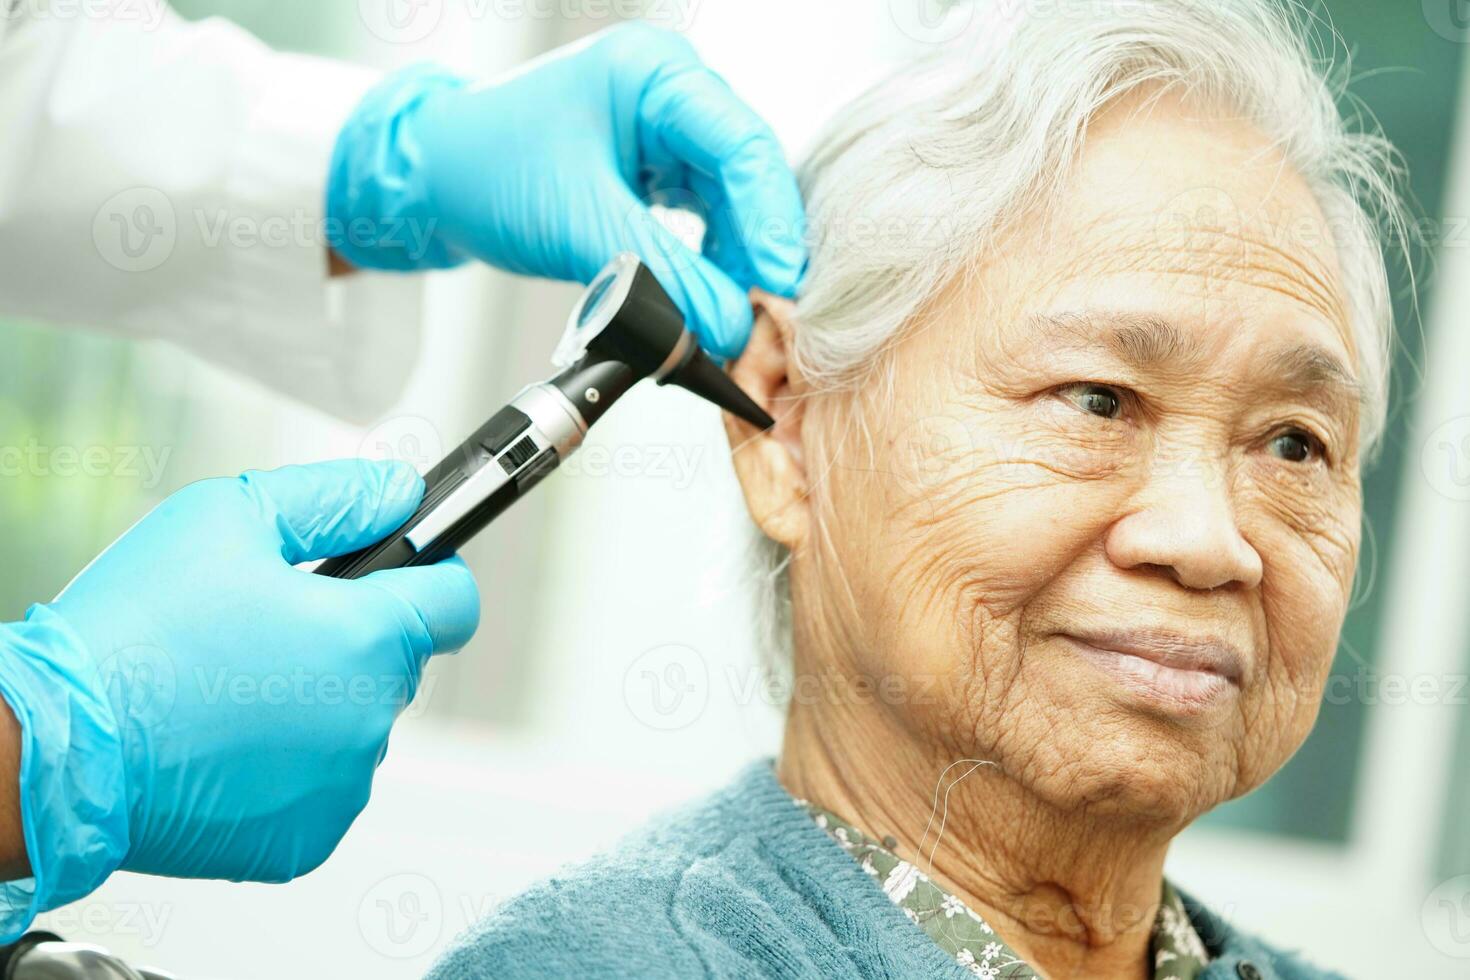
column 1178, row 953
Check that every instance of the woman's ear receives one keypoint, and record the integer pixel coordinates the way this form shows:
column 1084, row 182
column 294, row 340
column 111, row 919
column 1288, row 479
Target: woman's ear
column 769, row 464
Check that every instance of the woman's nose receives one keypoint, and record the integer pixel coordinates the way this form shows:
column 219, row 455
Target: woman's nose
column 1184, row 524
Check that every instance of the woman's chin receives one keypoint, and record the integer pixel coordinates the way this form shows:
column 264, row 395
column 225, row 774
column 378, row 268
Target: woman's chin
column 1115, row 752
column 1161, row 787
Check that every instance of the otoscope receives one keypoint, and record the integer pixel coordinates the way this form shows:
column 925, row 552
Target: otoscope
column 622, row 330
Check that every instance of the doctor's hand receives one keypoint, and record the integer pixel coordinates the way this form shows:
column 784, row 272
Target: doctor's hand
column 550, row 173
column 192, row 705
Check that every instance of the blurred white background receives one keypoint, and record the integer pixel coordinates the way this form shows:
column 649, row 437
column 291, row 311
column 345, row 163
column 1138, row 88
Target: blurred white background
column 615, row 670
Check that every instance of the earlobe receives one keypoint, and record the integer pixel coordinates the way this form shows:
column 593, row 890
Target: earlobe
column 770, row 465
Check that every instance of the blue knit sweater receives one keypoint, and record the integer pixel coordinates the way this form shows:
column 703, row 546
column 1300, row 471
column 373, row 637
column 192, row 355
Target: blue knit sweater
column 744, row 884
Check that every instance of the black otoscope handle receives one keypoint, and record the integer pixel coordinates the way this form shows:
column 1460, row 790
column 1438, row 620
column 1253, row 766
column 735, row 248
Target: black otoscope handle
column 490, row 444
column 492, row 469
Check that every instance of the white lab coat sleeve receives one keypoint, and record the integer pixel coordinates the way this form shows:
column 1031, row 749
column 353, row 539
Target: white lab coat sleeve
column 167, row 179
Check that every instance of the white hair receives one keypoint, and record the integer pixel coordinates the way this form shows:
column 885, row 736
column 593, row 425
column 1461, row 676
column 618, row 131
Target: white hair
column 983, row 130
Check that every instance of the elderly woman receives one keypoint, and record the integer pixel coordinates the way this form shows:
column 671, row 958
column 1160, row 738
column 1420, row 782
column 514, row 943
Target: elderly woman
column 1066, row 491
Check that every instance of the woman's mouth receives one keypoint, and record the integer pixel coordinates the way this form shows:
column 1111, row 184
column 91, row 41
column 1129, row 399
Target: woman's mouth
column 1182, row 673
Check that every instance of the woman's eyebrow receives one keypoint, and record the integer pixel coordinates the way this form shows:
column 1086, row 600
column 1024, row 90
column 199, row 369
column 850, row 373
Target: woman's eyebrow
column 1140, row 340
column 1313, row 370
column 1144, row 341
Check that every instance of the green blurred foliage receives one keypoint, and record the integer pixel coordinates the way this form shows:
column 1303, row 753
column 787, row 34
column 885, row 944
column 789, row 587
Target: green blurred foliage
column 70, row 401
column 80, row 446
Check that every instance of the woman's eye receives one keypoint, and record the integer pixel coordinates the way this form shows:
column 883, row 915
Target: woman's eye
column 1296, row 446
column 1095, row 399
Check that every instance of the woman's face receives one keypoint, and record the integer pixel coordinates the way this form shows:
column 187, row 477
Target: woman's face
column 1106, row 522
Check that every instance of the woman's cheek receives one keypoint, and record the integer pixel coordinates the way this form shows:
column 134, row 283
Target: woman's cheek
column 1287, row 693
column 1311, row 513
column 1304, row 606
column 1308, row 555
column 1005, row 516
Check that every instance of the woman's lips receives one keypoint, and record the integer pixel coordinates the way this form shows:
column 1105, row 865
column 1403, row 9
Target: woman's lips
column 1171, row 669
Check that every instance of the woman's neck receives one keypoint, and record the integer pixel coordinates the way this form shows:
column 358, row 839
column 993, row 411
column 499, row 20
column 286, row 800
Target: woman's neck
column 1074, row 893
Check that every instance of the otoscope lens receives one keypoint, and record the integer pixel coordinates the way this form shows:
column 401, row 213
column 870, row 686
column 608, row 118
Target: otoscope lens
column 596, row 293
column 596, row 309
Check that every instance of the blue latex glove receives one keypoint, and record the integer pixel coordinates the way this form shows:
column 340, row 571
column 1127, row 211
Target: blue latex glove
column 550, row 172
column 192, row 705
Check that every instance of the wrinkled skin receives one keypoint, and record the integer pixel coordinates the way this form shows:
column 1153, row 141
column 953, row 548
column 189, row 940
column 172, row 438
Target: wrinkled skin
column 999, row 498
